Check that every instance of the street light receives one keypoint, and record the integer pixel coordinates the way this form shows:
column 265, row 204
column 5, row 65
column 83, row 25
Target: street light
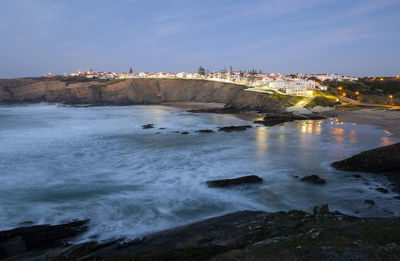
column 344, row 94
column 357, row 93
column 381, row 79
column 340, row 88
column 391, row 99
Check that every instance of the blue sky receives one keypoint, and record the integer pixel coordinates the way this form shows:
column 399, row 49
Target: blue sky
column 355, row 37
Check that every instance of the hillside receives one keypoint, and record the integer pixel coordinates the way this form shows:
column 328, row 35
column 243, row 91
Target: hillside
column 370, row 89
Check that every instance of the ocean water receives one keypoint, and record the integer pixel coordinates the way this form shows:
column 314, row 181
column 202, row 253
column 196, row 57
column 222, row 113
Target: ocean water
column 62, row 163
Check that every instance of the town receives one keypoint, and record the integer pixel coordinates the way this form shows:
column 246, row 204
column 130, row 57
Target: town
column 299, row 84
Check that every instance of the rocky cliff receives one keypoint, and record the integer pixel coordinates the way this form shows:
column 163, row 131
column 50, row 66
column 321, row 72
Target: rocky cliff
column 133, row 91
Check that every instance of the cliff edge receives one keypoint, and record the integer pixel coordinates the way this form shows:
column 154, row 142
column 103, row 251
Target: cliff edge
column 133, row 91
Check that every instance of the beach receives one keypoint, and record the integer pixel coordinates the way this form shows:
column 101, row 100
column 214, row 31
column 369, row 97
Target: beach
column 389, row 120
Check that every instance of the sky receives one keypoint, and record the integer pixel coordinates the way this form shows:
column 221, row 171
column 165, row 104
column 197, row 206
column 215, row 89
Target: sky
column 351, row 37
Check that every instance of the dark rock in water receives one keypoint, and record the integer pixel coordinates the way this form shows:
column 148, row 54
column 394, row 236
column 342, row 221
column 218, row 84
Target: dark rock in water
column 274, row 119
column 235, row 128
column 162, row 128
column 205, row 131
column 313, row 179
column 383, row 161
column 383, row 190
column 20, row 240
column 319, row 210
column 369, row 202
column 221, row 183
column 184, row 132
column 396, row 197
column 356, row 176
column 148, row 126
column 296, row 177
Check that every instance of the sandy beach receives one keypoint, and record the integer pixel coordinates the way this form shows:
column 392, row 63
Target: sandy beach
column 383, row 119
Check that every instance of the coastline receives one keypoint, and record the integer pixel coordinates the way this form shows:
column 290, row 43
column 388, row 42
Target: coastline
column 383, row 119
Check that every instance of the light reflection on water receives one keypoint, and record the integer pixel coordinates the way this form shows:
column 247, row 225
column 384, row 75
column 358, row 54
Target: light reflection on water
column 63, row 163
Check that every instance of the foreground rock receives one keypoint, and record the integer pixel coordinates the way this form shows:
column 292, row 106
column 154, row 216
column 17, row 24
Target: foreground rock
column 249, row 235
column 274, row 119
column 383, row 161
column 313, row 179
column 26, row 239
column 235, row 128
column 222, row 183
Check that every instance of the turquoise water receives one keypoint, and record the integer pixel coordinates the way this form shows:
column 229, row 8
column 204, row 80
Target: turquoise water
column 61, row 163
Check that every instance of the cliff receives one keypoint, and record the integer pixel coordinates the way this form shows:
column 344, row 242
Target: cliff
column 133, row 91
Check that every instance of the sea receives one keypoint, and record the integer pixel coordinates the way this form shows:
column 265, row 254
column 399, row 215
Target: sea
column 60, row 163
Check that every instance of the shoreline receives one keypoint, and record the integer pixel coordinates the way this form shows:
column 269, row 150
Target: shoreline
column 235, row 236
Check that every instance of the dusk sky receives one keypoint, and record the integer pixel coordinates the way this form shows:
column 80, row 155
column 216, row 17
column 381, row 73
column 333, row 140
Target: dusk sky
column 352, row 37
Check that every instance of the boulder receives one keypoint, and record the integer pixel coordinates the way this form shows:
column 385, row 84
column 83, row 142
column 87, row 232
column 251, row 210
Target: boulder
column 221, row 183
column 313, row 179
column 205, row 131
column 384, row 161
column 184, row 132
column 235, row 128
column 148, row 126
column 369, row 202
column 319, row 210
column 383, row 190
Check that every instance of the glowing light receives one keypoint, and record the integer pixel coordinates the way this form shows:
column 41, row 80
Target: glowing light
column 391, row 96
column 357, row 93
column 381, row 79
column 340, row 88
column 344, row 94
column 398, row 77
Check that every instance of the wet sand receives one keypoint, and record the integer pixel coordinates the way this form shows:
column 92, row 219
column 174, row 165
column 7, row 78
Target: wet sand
column 194, row 105
column 383, row 119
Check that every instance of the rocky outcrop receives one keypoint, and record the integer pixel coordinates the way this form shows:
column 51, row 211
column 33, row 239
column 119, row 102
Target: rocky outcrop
column 25, row 239
column 274, row 119
column 222, row 183
column 134, row 91
column 246, row 235
column 313, row 179
column 382, row 161
column 234, row 128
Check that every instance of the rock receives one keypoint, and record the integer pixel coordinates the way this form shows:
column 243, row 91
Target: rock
column 356, row 176
column 148, row 126
column 274, row 119
column 235, row 128
column 369, row 202
column 296, row 177
column 205, row 131
column 314, row 233
column 23, row 239
column 162, row 128
column 383, row 190
column 313, row 179
column 221, row 183
column 319, row 210
column 184, row 132
column 384, row 161
column 396, row 197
